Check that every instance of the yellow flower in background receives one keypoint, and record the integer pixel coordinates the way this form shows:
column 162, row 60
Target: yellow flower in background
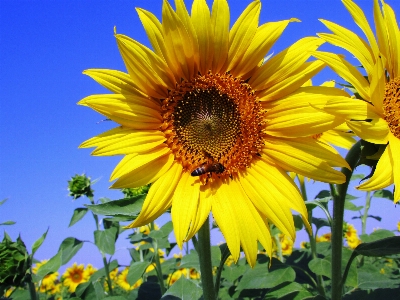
column 214, row 126
column 89, row 270
column 193, row 274
column 286, row 244
column 49, row 281
column 323, row 238
column 377, row 118
column 124, row 284
column 73, row 276
column 350, row 233
column 172, row 278
column 398, row 226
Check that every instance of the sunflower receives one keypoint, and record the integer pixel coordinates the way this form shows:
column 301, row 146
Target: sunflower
column 205, row 102
column 74, row 276
column 376, row 117
column 350, row 233
column 123, row 282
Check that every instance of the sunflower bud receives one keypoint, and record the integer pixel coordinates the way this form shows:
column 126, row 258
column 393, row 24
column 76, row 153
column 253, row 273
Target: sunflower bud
column 79, row 185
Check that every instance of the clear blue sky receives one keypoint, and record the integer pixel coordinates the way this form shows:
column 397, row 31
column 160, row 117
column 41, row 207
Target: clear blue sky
column 44, row 47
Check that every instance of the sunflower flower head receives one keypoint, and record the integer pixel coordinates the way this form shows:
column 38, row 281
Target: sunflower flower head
column 350, row 233
column 74, row 276
column 213, row 126
column 377, row 118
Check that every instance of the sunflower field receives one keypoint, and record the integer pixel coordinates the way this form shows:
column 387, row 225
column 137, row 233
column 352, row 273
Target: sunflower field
column 220, row 134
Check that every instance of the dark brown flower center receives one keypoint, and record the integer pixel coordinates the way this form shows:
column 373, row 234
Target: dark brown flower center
column 214, row 118
column 391, row 106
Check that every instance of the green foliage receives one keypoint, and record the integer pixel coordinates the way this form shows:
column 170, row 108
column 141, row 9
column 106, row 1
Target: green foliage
column 15, row 263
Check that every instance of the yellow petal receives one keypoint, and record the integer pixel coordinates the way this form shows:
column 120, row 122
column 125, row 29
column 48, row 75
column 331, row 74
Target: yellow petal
column 148, row 70
column 116, row 81
column 134, row 161
column 284, row 63
column 125, row 110
column 350, row 41
column 375, row 131
column 159, row 198
column 381, row 34
column 383, row 174
column 220, row 19
column 201, row 19
column 135, row 142
column 179, row 43
column 292, row 82
column 378, row 83
column 394, row 148
column 266, row 35
column 360, row 19
column 242, row 34
column 144, row 174
column 352, row 109
column 153, row 29
column 265, row 197
column 184, row 206
column 337, row 138
column 394, row 41
column 299, row 118
column 311, row 94
column 347, row 71
column 307, row 157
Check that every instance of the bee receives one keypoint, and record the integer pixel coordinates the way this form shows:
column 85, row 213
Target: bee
column 208, row 168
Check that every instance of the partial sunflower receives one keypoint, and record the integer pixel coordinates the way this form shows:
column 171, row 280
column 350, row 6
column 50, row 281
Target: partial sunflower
column 205, row 102
column 375, row 118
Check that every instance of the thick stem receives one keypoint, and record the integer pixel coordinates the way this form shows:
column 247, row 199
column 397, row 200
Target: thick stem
column 32, row 290
column 311, row 238
column 107, row 270
column 365, row 216
column 339, row 195
column 158, row 263
column 204, row 251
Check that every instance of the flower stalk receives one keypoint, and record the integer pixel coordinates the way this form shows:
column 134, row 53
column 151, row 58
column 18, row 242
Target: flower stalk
column 365, row 216
column 204, row 251
column 339, row 195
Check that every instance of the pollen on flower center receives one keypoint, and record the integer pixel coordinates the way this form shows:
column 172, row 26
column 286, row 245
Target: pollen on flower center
column 391, row 106
column 214, row 118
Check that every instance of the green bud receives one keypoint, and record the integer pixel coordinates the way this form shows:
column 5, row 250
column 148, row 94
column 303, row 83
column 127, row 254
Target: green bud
column 79, row 185
column 132, row 192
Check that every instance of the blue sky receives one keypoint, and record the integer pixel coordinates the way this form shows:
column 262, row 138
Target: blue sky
column 44, row 47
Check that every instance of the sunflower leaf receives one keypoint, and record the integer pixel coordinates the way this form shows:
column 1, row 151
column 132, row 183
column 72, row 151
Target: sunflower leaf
column 292, row 290
column 39, row 242
column 136, row 270
column 123, row 207
column 78, row 214
column 383, row 194
column 101, row 272
column 320, row 266
column 105, row 240
column 383, row 247
column 376, row 235
column 184, row 289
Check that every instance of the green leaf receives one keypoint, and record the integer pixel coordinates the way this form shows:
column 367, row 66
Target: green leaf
column 298, row 222
column 105, row 240
column 215, row 256
column 260, row 277
column 320, row 266
column 319, row 223
column 8, row 223
column 51, row 266
column 323, row 194
column 163, row 232
column 78, row 214
column 190, row 260
column 369, row 278
column 357, row 176
column 136, row 271
column 123, row 207
column 350, row 206
column 383, row 194
column 350, row 197
column 20, row 294
column 233, row 272
column 70, row 246
column 376, row 235
column 289, row 291
column 184, row 289
column 86, row 291
column 383, row 247
column 39, row 242
column 3, row 201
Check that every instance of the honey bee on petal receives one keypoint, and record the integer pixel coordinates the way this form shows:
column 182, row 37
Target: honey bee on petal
column 208, row 168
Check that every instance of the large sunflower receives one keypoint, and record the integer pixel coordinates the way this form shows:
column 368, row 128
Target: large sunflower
column 206, row 98
column 377, row 118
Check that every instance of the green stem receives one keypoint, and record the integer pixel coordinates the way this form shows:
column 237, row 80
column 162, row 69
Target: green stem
column 339, row 195
column 32, row 290
column 204, row 251
column 311, row 238
column 365, row 216
column 158, row 264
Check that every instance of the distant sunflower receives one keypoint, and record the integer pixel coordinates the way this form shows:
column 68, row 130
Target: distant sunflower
column 377, row 118
column 206, row 101
column 123, row 282
column 74, row 276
